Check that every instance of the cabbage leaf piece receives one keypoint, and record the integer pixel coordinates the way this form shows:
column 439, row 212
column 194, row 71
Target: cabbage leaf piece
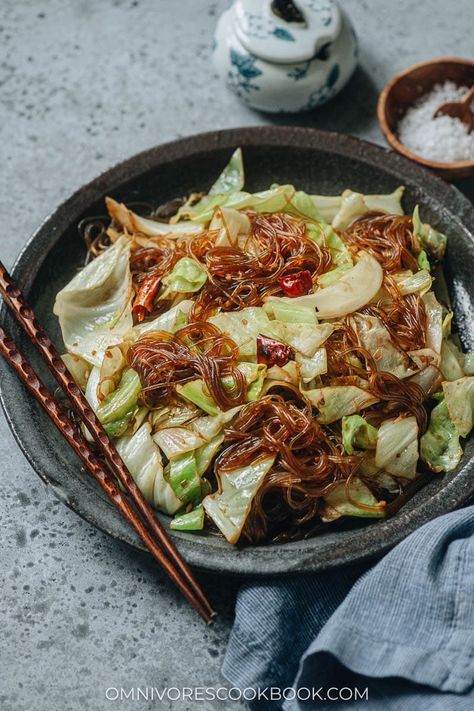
column 356, row 288
column 143, row 460
column 329, row 206
column 324, row 235
column 186, row 277
column 182, row 475
column 439, row 445
column 413, row 283
column 94, row 309
column 194, row 391
column 230, row 505
column 170, row 321
column 431, row 240
column 174, row 441
column 301, row 205
column 288, row 312
column 273, row 200
column 231, row 224
column 209, row 427
column 190, row 521
column 78, row 367
column 434, row 322
column 423, row 261
column 375, row 338
column 232, row 178
column 111, row 369
column 337, row 401
column 452, row 360
column 342, row 500
column 357, row 433
column 459, row 397
column 243, row 327
column 355, row 205
column 119, row 407
column 151, row 228
column 310, row 368
column 397, row 447
column 304, row 338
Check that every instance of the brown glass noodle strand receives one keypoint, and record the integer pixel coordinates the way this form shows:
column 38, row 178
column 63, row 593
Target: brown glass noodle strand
column 157, row 260
column 199, row 350
column 388, row 238
column 405, row 319
column 93, row 231
column 397, row 397
column 309, row 462
column 277, row 245
column 346, row 358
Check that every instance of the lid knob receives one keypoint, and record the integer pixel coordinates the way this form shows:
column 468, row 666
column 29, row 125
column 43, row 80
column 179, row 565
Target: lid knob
column 286, row 31
column 287, row 11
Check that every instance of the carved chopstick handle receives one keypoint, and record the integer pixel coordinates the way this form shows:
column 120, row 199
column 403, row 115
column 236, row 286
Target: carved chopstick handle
column 75, row 439
column 40, row 339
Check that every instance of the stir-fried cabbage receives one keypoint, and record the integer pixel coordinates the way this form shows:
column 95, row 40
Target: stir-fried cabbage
column 459, row 397
column 289, row 312
column 177, row 440
column 243, row 327
column 195, row 390
column 232, row 178
column 186, row 277
column 143, row 460
column 434, row 322
column 78, row 367
column 451, row 361
column 310, row 368
column 323, row 324
column 375, row 338
column 397, row 447
column 325, row 236
column 413, row 283
column 135, row 223
column 355, row 289
column 182, row 475
column 170, row 321
column 273, row 200
column 330, row 206
column 439, row 446
column 357, row 433
column 94, row 309
column 231, row 224
column 355, row 205
column 335, row 402
column 228, row 508
column 431, row 240
column 118, row 408
column 354, row 499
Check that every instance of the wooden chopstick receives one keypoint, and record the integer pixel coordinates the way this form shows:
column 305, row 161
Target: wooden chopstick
column 72, row 435
column 40, row 339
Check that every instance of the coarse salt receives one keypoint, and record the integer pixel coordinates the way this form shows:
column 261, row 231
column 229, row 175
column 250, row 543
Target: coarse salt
column 443, row 139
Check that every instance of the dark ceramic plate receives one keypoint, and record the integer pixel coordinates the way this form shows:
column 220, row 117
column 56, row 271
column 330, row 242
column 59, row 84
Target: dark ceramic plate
column 315, row 161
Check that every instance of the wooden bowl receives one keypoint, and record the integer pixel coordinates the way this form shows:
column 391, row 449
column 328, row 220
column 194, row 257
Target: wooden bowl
column 403, row 90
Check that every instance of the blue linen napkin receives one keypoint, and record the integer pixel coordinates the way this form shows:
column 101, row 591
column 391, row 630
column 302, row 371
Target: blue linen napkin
column 402, row 628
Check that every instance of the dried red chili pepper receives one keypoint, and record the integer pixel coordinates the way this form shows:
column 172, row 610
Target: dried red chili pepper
column 271, row 352
column 296, row 284
column 143, row 304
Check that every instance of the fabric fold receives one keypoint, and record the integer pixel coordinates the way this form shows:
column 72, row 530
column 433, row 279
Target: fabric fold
column 405, row 626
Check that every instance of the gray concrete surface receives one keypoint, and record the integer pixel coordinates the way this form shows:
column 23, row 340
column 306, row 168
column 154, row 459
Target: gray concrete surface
column 84, row 84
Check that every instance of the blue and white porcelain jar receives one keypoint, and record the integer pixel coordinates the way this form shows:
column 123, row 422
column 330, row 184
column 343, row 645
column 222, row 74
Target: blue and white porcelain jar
column 285, row 55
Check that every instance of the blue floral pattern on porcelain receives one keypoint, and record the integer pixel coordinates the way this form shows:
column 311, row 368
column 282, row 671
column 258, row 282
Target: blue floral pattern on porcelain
column 275, row 68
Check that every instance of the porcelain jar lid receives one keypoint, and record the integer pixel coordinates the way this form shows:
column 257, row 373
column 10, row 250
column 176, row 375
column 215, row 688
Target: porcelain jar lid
column 286, row 31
